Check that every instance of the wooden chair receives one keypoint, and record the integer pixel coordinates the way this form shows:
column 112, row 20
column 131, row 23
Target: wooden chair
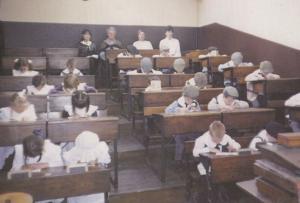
column 16, row 197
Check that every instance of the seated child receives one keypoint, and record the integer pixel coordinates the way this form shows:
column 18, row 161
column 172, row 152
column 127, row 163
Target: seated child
column 39, row 86
column 19, row 110
column 72, row 83
column 214, row 140
column 294, row 101
column 268, row 135
column 154, row 84
column 131, row 51
column 90, row 150
column 227, row 101
column 80, row 106
column 212, row 51
column 71, row 68
column 179, row 66
column 23, row 67
column 199, row 80
column 186, row 103
column 236, row 61
column 146, row 68
column 36, row 153
column 265, row 72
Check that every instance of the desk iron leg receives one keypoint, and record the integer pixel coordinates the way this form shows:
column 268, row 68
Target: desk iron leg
column 106, row 197
column 163, row 158
column 116, row 164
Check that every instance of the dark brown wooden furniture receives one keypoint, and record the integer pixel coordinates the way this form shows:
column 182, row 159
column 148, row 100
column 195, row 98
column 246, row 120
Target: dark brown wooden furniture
column 164, row 62
column 178, row 80
column 72, row 52
column 149, row 53
column 55, row 183
column 289, row 139
column 57, row 63
column 14, row 84
column 23, row 52
column 128, row 63
column 58, row 80
column 236, row 75
column 38, row 63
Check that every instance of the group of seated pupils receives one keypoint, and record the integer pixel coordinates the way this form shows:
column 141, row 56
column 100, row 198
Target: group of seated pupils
column 37, row 152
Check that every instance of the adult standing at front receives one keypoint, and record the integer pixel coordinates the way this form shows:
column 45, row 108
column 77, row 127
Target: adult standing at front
column 170, row 46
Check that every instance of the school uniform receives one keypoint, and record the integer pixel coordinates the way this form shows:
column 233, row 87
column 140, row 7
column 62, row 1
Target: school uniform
column 173, row 45
column 143, row 45
column 81, row 87
column 29, row 73
column 87, row 48
column 88, row 148
column 255, row 76
column 294, row 101
column 76, row 72
column 204, row 143
column 8, row 114
column 155, row 86
column 51, row 154
column 217, row 103
column 230, row 64
column 92, row 112
column 45, row 90
column 140, row 71
column 181, row 138
column 261, row 137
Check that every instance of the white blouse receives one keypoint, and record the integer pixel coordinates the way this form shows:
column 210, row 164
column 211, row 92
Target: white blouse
column 143, row 45
column 29, row 73
column 76, row 71
column 173, row 45
column 32, row 90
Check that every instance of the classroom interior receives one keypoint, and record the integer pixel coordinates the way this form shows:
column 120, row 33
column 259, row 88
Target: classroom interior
column 135, row 119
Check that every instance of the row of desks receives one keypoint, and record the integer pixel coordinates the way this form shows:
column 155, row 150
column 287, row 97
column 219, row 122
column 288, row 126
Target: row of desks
column 176, row 124
column 11, row 83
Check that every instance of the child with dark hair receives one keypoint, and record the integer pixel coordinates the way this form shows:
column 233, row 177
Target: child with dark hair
column 87, row 48
column 23, row 67
column 39, row 86
column 71, row 68
column 80, row 106
column 267, row 135
column 170, row 46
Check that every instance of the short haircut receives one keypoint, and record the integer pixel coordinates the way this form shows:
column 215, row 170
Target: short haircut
column 217, row 128
column 80, row 100
column 170, row 29
column 33, row 146
column 22, row 62
column 71, row 62
column 38, row 80
column 71, row 81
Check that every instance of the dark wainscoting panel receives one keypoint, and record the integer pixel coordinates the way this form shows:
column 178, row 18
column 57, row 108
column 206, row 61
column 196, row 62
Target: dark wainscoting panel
column 20, row 34
column 286, row 60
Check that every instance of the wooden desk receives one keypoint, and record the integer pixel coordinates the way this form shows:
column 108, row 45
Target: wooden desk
column 14, row 84
column 107, row 128
column 212, row 62
column 149, row 53
column 57, row 63
column 128, row 63
column 250, row 188
column 111, row 55
column 193, row 55
column 58, row 80
column 71, row 52
column 237, row 74
column 231, row 168
column 178, row 80
column 14, row 132
column 39, row 101
column 252, row 118
column 38, row 63
column 55, row 183
column 23, row 52
column 164, row 62
column 174, row 124
column 58, row 101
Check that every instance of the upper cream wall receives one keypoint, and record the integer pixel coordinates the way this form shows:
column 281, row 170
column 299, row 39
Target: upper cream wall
column 275, row 20
column 121, row 12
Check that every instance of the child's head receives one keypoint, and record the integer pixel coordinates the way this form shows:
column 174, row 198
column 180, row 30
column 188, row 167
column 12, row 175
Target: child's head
column 33, row 146
column 190, row 93
column 230, row 94
column 86, row 35
column 39, row 81
column 71, row 82
column 273, row 129
column 179, row 65
column 111, row 33
column 200, row 80
column 217, row 131
column 146, row 65
column 237, row 58
column 266, row 67
column 23, row 64
column 19, row 103
column 141, row 35
column 80, row 100
column 213, row 50
column 71, row 64
column 132, row 50
column 169, row 32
